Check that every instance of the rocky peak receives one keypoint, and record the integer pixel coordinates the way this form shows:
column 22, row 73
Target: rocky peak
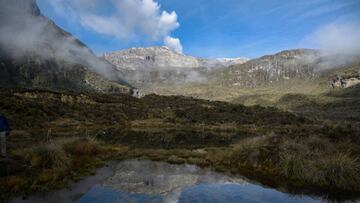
column 152, row 65
column 285, row 65
column 292, row 54
column 163, row 57
column 151, row 58
column 224, row 62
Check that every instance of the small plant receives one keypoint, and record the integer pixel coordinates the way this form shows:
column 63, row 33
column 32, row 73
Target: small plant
column 317, row 145
column 293, row 166
column 48, row 156
column 248, row 151
column 337, row 171
column 83, row 147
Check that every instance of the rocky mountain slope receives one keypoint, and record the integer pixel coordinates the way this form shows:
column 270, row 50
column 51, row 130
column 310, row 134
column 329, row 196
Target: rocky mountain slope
column 161, row 65
column 283, row 66
column 270, row 69
column 266, row 79
column 36, row 53
column 160, row 70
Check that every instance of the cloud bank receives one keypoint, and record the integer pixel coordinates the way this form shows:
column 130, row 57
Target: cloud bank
column 123, row 19
column 29, row 35
column 173, row 43
column 336, row 38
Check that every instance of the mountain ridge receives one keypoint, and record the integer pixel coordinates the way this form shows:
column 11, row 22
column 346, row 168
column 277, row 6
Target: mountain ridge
column 166, row 58
column 155, row 65
column 36, row 53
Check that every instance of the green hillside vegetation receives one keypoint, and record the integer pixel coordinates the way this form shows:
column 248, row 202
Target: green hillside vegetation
column 82, row 131
column 299, row 95
column 288, row 120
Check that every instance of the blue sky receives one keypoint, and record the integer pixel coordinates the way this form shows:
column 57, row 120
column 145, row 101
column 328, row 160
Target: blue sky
column 207, row 28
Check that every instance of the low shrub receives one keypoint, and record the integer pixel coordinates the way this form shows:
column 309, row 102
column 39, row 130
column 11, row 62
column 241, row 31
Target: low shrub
column 248, row 151
column 83, row 147
column 318, row 145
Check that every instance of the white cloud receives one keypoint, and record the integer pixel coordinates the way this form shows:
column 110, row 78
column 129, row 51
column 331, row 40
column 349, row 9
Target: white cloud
column 26, row 33
column 338, row 38
column 173, row 43
column 128, row 19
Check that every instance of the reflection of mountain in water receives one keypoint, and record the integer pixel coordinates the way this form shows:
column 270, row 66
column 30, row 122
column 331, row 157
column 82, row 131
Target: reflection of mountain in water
column 148, row 181
column 159, row 178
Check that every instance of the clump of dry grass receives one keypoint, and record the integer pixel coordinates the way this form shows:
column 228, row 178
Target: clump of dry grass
column 293, row 156
column 311, row 160
column 47, row 156
column 248, row 151
column 336, row 171
column 293, row 166
column 319, row 145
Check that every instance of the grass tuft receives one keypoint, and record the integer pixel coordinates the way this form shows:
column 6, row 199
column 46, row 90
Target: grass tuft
column 293, row 166
column 47, row 156
column 337, row 171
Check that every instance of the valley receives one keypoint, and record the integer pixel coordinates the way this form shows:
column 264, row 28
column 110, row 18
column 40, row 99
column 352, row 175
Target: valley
column 287, row 123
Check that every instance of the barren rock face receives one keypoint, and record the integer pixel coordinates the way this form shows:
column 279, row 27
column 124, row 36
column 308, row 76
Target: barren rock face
column 154, row 65
column 163, row 58
column 151, row 58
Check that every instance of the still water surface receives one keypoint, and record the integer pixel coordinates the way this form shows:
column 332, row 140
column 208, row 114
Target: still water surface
column 148, row 181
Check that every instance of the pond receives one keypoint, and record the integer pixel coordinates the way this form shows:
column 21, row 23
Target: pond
column 149, row 181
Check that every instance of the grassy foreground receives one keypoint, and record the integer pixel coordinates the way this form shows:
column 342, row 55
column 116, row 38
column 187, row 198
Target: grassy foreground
column 76, row 133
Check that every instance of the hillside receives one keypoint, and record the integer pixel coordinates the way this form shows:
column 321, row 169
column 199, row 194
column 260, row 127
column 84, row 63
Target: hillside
column 256, row 142
column 153, row 66
column 286, row 65
column 35, row 52
column 283, row 66
column 291, row 80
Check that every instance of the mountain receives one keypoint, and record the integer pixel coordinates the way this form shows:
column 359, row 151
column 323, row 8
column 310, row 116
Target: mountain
column 269, row 69
column 267, row 79
column 297, row 64
column 160, row 65
column 36, row 53
column 225, row 62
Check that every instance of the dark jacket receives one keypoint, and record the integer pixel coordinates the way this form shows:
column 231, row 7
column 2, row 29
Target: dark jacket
column 4, row 125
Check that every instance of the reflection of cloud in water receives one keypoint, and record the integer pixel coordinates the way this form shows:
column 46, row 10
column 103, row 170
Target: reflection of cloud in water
column 157, row 178
column 147, row 181
column 161, row 178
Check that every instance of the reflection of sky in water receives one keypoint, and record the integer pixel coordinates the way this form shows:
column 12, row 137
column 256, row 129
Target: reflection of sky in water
column 147, row 181
column 107, row 195
column 234, row 193
column 209, row 193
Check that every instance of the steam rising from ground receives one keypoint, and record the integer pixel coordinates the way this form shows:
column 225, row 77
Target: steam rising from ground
column 127, row 20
